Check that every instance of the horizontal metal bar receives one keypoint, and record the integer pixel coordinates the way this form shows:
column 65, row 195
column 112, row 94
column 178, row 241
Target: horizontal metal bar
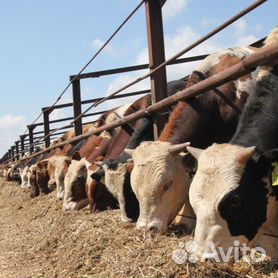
column 97, row 74
column 69, row 104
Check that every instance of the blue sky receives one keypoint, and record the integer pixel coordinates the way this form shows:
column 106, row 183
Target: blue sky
column 44, row 42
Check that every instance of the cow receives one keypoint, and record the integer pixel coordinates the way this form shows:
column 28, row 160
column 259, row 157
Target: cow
column 57, row 162
column 232, row 192
column 39, row 179
column 23, row 174
column 93, row 148
column 116, row 173
column 162, row 173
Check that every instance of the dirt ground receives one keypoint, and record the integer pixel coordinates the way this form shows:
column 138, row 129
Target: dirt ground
column 38, row 239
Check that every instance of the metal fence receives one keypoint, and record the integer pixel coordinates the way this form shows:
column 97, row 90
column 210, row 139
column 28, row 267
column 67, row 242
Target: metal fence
column 35, row 140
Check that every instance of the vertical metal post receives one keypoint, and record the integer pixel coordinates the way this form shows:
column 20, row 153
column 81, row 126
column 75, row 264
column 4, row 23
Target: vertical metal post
column 46, row 127
column 156, row 57
column 31, row 138
column 17, row 150
column 76, row 96
column 22, row 137
column 12, row 149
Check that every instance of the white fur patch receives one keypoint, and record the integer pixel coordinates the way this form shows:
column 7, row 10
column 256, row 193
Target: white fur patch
column 214, row 58
column 248, row 85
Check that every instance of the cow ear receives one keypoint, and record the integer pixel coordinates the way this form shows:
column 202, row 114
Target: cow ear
column 68, row 161
column 245, row 154
column 97, row 175
column 76, row 156
column 129, row 151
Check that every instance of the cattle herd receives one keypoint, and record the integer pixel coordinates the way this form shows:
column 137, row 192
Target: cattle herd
column 212, row 164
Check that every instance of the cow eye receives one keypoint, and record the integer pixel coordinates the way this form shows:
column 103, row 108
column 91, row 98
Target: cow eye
column 236, row 200
column 167, row 186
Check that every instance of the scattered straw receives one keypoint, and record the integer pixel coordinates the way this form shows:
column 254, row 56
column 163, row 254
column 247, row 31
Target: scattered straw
column 38, row 239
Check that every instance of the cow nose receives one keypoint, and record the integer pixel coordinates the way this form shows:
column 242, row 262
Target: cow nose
column 153, row 228
column 51, row 184
column 140, row 226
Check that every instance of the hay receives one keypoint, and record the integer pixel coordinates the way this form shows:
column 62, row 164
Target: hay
column 38, row 239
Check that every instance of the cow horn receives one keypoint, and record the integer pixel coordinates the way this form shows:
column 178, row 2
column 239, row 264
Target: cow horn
column 245, row 154
column 129, row 151
column 195, row 152
column 176, row 149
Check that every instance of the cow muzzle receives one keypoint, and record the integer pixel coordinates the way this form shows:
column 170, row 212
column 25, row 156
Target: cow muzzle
column 51, row 184
column 152, row 226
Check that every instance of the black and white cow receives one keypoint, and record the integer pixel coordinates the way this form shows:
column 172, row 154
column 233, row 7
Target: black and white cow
column 232, row 193
column 116, row 173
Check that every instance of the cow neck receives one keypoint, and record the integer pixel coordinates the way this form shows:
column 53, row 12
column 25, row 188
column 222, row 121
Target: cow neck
column 188, row 122
column 258, row 123
column 99, row 152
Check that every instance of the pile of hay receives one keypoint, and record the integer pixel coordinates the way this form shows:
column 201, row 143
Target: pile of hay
column 38, row 239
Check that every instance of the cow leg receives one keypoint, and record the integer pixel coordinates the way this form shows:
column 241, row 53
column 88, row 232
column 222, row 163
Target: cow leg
column 60, row 188
column 121, row 201
column 60, row 192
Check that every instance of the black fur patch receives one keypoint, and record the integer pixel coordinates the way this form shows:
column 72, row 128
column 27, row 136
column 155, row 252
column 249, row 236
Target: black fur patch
column 131, row 202
column 248, row 213
column 258, row 127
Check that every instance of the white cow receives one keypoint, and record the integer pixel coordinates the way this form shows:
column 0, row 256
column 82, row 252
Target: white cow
column 160, row 181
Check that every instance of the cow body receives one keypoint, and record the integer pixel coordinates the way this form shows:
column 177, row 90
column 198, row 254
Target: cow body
column 232, row 193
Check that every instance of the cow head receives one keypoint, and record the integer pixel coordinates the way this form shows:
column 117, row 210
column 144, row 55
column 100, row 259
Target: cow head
column 231, row 200
column 42, row 176
column 57, row 169
column 98, row 195
column 160, row 182
column 23, row 175
column 30, row 176
column 33, row 182
column 75, row 180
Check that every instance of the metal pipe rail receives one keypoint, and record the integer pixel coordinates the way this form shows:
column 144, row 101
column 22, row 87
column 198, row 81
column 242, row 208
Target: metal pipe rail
column 248, row 64
column 102, row 73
